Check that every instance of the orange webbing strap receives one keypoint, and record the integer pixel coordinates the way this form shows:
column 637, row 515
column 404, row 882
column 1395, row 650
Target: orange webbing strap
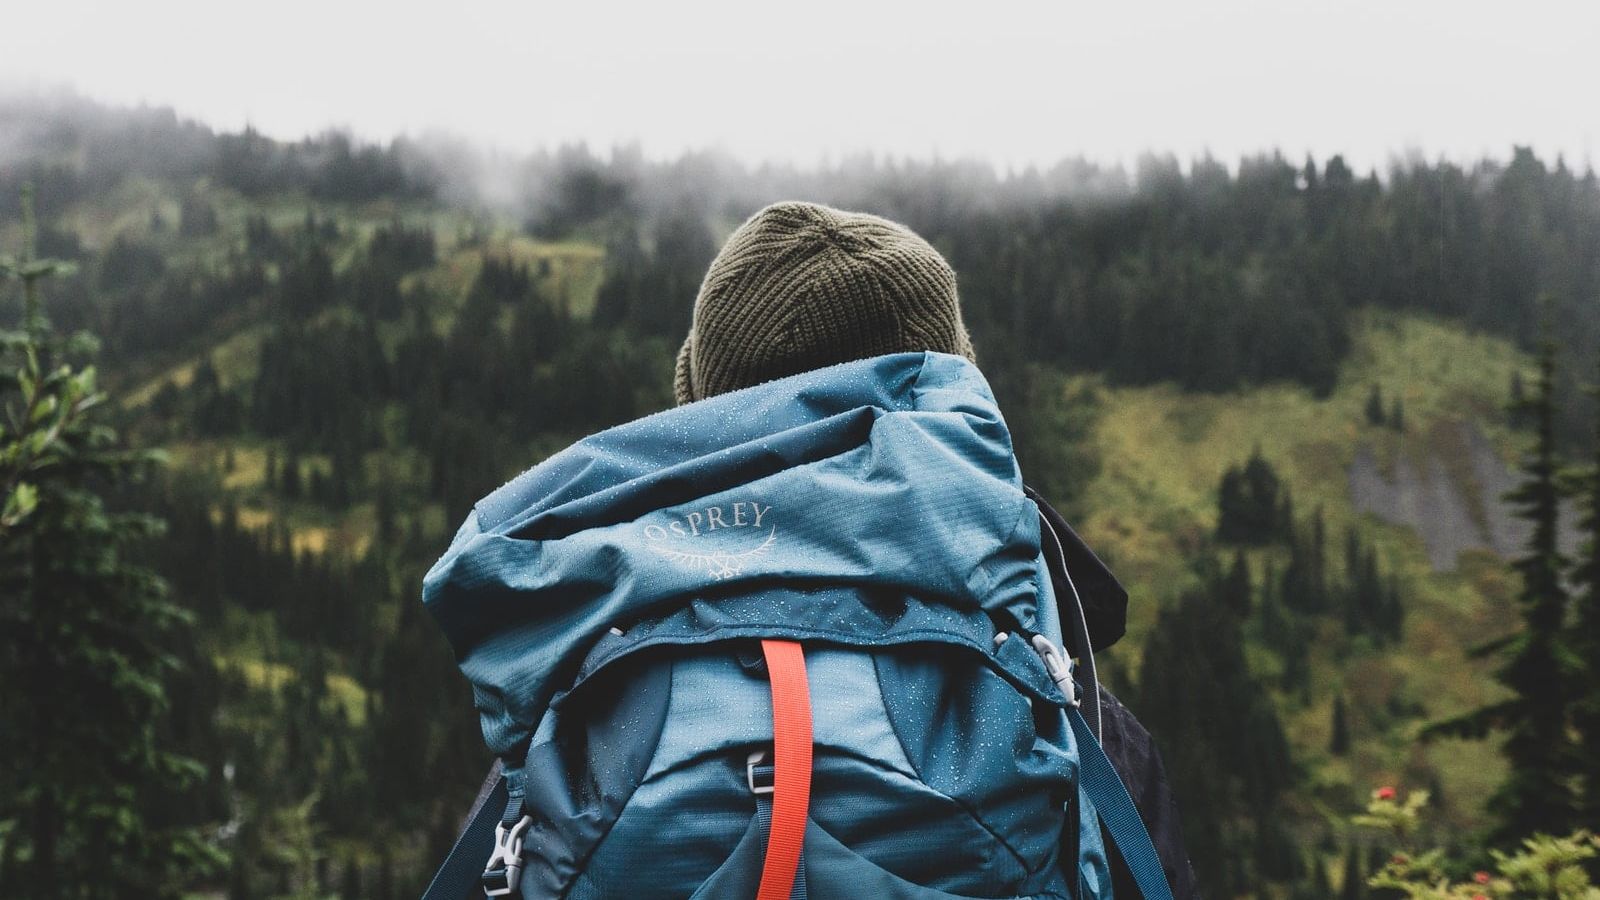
column 791, row 763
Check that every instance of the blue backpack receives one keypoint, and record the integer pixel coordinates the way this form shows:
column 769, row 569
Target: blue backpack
column 797, row 640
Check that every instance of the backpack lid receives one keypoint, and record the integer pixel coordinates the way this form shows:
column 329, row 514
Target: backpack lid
column 892, row 476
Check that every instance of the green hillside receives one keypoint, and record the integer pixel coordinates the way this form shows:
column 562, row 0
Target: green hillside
column 1154, row 501
column 340, row 350
column 1161, row 451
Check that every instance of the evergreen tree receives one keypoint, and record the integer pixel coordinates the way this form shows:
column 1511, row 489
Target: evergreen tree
column 1248, row 502
column 1235, row 588
column 86, row 640
column 1296, row 676
column 290, row 480
column 1371, row 602
column 1518, row 403
column 1353, row 594
column 196, row 217
column 420, row 730
column 1304, row 586
column 1234, row 768
column 1276, row 627
column 1375, row 407
column 1392, row 613
column 1339, row 742
column 1285, row 516
column 1317, row 885
column 1586, row 640
column 1353, row 884
column 1537, row 795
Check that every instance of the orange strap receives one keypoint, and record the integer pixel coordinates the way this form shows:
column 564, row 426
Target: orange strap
column 791, row 767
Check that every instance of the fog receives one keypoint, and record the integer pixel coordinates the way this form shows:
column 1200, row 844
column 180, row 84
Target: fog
column 1015, row 83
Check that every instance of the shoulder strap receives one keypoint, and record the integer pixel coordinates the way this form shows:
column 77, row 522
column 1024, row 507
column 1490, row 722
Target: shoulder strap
column 1105, row 600
column 1082, row 644
column 1117, row 812
column 461, row 876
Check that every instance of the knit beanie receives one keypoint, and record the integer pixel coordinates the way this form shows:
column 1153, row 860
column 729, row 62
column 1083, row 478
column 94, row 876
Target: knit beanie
column 801, row 286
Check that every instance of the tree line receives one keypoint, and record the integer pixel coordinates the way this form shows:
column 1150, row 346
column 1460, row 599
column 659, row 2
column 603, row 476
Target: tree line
column 1549, row 659
column 1228, row 758
column 374, row 391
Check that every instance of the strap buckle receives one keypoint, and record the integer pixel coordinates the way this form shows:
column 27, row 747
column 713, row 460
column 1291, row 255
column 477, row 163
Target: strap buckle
column 759, row 773
column 504, row 869
column 1059, row 666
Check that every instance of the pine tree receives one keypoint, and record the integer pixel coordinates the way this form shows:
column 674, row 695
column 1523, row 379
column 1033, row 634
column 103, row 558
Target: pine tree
column 1519, row 401
column 1353, row 885
column 1537, row 795
column 1234, row 769
column 290, row 481
column 1392, row 612
column 1339, row 742
column 1586, row 641
column 1235, row 587
column 1305, row 585
column 1375, row 407
column 1248, row 502
column 1276, row 627
column 1354, row 593
column 1317, row 884
column 86, row 639
column 1318, row 555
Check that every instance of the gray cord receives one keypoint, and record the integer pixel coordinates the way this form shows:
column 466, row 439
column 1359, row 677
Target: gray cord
column 1082, row 633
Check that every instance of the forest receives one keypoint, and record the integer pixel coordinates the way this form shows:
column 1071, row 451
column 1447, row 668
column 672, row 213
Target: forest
column 251, row 387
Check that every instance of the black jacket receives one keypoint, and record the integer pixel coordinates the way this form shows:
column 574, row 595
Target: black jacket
column 1133, row 752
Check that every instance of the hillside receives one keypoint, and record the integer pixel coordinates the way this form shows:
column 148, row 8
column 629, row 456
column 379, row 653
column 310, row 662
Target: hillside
column 1155, row 500
column 1152, row 506
column 340, row 350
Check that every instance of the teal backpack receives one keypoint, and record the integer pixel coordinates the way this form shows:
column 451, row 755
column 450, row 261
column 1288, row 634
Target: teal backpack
column 797, row 640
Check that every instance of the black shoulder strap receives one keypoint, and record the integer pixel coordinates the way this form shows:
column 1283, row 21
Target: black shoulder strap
column 1072, row 621
column 1105, row 600
column 461, row 876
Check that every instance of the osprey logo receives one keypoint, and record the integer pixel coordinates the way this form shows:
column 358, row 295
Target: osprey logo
column 721, row 538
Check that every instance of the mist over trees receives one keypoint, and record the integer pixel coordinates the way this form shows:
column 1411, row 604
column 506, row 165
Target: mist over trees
column 348, row 344
column 1212, row 275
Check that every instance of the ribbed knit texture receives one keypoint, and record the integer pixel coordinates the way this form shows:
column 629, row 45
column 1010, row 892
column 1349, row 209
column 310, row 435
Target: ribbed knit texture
column 801, row 286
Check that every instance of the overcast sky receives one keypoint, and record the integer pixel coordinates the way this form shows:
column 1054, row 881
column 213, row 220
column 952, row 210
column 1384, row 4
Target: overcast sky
column 1013, row 82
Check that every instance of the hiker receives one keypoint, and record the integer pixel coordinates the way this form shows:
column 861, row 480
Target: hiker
column 801, row 635
column 801, row 286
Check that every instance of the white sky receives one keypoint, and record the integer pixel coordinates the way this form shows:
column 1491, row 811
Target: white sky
column 1013, row 82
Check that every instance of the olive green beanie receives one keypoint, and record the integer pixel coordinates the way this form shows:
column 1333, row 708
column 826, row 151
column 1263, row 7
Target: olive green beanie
column 801, row 286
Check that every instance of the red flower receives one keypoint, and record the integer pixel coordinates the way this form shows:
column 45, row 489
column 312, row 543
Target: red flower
column 1480, row 877
column 1479, row 897
column 1386, row 793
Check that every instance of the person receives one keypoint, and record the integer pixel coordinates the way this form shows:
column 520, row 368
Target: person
column 802, row 634
column 801, row 286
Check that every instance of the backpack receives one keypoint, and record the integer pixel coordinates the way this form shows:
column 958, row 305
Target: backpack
column 796, row 640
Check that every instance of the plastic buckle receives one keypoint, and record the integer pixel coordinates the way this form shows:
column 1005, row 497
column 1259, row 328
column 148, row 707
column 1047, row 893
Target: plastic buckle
column 1058, row 665
column 504, row 869
column 766, row 783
